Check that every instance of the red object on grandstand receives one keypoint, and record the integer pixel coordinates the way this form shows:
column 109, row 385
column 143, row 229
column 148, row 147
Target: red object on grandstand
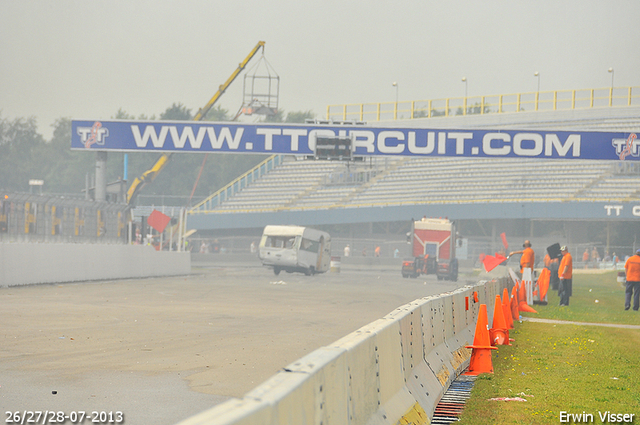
column 158, row 221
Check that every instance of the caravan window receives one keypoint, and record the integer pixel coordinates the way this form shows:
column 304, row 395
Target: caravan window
column 309, row 245
column 287, row 242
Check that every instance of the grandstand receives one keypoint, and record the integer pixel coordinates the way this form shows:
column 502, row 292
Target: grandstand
column 283, row 186
column 306, row 184
column 299, row 184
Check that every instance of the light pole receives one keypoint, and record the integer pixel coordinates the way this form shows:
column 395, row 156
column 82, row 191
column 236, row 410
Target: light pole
column 611, row 90
column 537, row 75
column 612, row 72
column 395, row 110
column 464, row 110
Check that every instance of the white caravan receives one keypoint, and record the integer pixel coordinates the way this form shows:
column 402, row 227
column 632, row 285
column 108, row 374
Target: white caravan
column 295, row 249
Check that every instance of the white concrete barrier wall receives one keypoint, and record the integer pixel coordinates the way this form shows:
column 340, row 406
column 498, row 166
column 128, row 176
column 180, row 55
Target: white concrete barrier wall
column 396, row 368
column 30, row 263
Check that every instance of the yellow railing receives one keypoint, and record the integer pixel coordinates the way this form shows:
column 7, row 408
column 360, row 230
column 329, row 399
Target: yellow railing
column 215, row 199
column 503, row 103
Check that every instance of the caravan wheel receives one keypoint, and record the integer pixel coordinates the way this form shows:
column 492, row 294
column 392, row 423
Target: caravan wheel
column 276, row 271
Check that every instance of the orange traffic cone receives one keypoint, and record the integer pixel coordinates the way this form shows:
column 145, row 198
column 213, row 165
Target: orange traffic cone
column 499, row 333
column 506, row 309
column 481, row 354
column 515, row 312
column 522, row 293
column 543, row 284
column 526, row 307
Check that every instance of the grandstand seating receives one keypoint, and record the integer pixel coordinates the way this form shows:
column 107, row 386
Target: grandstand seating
column 298, row 183
column 301, row 184
column 470, row 180
column 282, row 186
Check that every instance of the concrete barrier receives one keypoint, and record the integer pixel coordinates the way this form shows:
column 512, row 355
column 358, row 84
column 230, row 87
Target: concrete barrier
column 30, row 263
column 393, row 370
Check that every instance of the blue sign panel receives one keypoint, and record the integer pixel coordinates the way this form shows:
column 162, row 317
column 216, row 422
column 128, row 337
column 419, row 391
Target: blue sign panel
column 166, row 136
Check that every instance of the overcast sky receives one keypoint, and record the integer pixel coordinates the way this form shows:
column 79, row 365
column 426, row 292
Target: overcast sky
column 86, row 59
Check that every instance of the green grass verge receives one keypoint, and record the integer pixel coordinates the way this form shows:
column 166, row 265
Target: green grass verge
column 597, row 298
column 565, row 368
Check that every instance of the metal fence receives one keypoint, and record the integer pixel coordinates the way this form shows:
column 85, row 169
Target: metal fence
column 26, row 217
column 480, row 105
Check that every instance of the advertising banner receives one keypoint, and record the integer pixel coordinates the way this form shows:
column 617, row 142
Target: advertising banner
column 227, row 137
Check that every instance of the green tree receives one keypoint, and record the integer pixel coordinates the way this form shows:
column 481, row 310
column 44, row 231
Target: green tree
column 66, row 169
column 177, row 112
column 277, row 117
column 217, row 114
column 439, row 112
column 123, row 115
column 477, row 108
column 20, row 153
column 292, row 117
column 299, row 116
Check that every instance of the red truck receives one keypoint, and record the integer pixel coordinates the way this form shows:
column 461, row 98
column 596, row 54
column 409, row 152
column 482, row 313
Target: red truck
column 433, row 243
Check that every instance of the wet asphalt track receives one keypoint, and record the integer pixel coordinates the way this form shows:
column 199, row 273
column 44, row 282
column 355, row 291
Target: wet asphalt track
column 160, row 350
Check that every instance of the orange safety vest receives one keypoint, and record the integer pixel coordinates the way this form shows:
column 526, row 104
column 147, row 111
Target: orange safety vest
column 527, row 259
column 632, row 268
column 566, row 267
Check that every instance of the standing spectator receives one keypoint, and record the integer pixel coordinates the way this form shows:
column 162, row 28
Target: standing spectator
column 595, row 257
column 377, row 251
column 632, row 270
column 565, row 273
column 396, row 253
column 585, row 258
column 347, row 251
column 215, row 247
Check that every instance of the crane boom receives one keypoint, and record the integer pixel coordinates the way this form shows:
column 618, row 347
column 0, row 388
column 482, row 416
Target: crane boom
column 202, row 112
column 149, row 175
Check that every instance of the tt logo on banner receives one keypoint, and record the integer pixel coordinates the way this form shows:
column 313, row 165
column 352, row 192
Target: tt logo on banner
column 93, row 135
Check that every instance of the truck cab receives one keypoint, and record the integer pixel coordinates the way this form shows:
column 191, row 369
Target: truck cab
column 436, row 237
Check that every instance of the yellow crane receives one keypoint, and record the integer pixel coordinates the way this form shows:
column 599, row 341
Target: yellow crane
column 149, row 175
